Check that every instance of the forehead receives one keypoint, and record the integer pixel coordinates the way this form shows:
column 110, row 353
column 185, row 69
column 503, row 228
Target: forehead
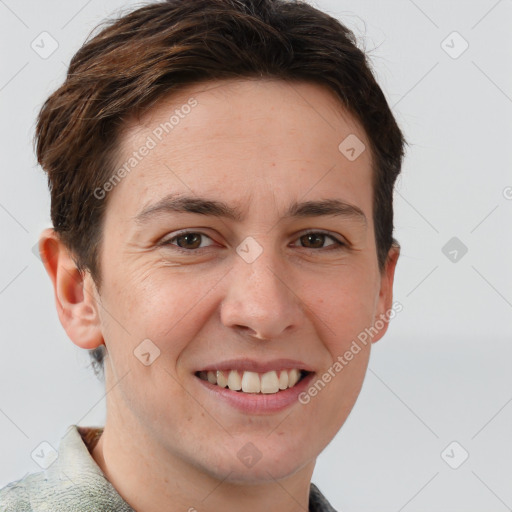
column 241, row 138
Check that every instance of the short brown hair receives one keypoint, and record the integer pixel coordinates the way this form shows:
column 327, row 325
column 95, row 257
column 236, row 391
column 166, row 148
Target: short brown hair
column 162, row 47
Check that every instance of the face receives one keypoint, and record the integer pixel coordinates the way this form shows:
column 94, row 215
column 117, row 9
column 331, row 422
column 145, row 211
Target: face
column 216, row 256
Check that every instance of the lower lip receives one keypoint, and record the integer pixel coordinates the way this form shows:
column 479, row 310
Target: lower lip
column 258, row 403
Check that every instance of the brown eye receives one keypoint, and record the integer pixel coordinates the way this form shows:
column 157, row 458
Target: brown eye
column 188, row 241
column 316, row 240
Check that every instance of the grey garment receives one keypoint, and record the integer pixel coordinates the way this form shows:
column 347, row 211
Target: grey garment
column 75, row 483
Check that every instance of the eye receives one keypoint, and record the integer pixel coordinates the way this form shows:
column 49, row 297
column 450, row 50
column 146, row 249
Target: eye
column 316, row 240
column 191, row 240
column 187, row 240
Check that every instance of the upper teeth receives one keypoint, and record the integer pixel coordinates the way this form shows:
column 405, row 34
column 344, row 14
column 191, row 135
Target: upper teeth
column 252, row 382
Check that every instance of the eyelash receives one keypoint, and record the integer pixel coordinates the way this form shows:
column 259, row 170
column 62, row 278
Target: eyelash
column 338, row 244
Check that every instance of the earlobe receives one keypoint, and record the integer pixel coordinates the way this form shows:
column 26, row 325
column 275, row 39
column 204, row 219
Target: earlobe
column 74, row 292
column 385, row 299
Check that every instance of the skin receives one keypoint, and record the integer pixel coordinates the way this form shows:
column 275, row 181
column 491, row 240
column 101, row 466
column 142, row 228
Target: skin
column 258, row 145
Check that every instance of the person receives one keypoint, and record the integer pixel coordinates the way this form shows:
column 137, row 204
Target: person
column 221, row 176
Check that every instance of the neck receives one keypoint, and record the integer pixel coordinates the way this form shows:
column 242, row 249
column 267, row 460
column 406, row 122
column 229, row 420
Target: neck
column 152, row 479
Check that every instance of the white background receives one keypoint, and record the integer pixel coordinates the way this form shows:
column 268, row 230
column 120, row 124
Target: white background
column 443, row 371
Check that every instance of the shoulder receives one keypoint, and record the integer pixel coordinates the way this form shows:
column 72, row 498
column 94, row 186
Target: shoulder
column 317, row 501
column 16, row 496
column 38, row 492
column 72, row 481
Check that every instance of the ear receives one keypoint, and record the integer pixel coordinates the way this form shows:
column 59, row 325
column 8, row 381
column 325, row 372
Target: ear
column 385, row 300
column 75, row 293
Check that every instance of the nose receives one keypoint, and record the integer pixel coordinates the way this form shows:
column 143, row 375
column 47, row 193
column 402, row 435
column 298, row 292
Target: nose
column 260, row 299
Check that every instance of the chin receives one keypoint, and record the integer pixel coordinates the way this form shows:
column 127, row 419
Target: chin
column 260, row 473
column 258, row 460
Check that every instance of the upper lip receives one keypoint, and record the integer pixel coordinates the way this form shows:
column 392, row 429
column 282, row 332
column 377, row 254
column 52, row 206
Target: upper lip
column 252, row 365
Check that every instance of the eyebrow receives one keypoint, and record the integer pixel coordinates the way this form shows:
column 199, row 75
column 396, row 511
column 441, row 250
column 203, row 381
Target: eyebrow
column 186, row 204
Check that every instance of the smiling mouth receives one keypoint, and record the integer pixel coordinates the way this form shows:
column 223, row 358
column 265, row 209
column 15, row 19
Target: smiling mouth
column 252, row 382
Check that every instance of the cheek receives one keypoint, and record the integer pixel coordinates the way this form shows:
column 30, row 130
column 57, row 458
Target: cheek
column 346, row 310
column 162, row 305
column 346, row 306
